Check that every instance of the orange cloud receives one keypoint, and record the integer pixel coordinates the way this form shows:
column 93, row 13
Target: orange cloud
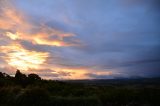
column 11, row 18
column 15, row 26
column 77, row 73
column 19, row 27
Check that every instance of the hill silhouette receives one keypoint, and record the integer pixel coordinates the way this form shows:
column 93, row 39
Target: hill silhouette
column 31, row 90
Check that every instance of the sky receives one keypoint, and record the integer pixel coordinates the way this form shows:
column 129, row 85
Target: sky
column 80, row 39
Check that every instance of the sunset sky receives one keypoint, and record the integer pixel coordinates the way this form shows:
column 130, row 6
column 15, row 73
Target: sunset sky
column 80, row 39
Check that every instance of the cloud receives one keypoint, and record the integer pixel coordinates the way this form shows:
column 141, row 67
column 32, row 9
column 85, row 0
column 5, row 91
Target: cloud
column 84, row 40
column 18, row 26
column 20, row 58
column 101, row 75
column 11, row 19
column 15, row 28
column 45, row 37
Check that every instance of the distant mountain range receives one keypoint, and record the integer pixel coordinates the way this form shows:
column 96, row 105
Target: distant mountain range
column 119, row 81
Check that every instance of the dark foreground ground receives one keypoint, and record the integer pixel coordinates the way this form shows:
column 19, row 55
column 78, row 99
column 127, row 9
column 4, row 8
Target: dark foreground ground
column 31, row 90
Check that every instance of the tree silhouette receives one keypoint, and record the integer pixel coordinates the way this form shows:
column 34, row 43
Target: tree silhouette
column 20, row 78
column 2, row 75
column 33, row 77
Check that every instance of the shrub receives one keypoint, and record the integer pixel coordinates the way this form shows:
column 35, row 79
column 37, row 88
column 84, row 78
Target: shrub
column 33, row 97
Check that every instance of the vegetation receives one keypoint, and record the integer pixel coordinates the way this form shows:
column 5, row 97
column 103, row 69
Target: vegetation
column 31, row 90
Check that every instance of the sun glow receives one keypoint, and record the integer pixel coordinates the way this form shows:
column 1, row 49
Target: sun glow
column 23, row 59
column 12, row 36
column 47, row 42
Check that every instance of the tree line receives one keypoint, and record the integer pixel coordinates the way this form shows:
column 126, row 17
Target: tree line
column 20, row 78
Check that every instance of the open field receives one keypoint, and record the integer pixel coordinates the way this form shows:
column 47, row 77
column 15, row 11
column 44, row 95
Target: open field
column 31, row 90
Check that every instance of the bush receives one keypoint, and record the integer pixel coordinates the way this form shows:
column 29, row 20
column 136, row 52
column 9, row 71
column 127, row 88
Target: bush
column 33, row 97
column 8, row 94
column 75, row 101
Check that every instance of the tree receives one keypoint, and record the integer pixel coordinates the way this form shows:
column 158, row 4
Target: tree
column 19, row 75
column 20, row 78
column 33, row 77
column 2, row 75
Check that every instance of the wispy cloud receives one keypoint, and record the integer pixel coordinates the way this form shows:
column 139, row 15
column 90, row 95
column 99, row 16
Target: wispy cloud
column 16, row 26
column 80, row 39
